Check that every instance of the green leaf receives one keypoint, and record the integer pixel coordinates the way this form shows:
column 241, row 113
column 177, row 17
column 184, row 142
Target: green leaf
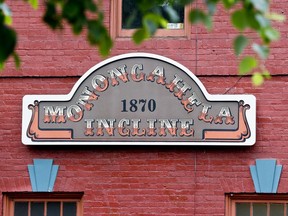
column 157, row 19
column 185, row 2
column 105, row 45
column 251, row 19
column 240, row 42
column 257, row 79
column 8, row 20
column 151, row 22
column 98, row 35
column 5, row 14
column 90, row 5
column 150, row 26
column 6, row 10
column 71, row 10
column 34, row 4
column 266, row 74
column 261, row 5
column 77, row 26
column 247, row 64
column 145, row 6
column 140, row 35
column 172, row 13
column 16, row 60
column 2, row 18
column 269, row 34
column 51, row 17
column 211, row 5
column 95, row 31
column 229, row 3
column 263, row 21
column 238, row 19
column 198, row 16
column 262, row 51
column 7, row 42
column 276, row 17
column 1, row 65
column 208, row 22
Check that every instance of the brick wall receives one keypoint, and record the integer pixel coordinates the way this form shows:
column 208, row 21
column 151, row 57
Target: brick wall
column 146, row 180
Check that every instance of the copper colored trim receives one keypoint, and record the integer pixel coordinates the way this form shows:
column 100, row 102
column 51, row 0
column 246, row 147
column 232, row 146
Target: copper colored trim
column 36, row 134
column 241, row 134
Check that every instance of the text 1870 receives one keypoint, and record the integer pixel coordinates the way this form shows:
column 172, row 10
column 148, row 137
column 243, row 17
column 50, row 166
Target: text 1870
column 141, row 105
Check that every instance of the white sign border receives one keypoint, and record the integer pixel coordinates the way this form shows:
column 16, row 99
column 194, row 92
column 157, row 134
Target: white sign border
column 248, row 99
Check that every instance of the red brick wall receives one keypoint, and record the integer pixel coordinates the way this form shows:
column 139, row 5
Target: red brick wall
column 142, row 180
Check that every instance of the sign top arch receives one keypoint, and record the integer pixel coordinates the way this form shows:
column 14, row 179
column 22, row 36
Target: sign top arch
column 139, row 99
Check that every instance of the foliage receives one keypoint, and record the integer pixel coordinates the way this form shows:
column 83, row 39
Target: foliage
column 251, row 15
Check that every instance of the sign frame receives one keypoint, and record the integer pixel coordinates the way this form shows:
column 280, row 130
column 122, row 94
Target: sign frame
column 250, row 113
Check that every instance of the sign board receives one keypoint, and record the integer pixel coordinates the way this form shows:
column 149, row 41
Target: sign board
column 139, row 99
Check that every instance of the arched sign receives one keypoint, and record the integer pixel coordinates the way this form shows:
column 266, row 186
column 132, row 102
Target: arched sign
column 139, row 98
